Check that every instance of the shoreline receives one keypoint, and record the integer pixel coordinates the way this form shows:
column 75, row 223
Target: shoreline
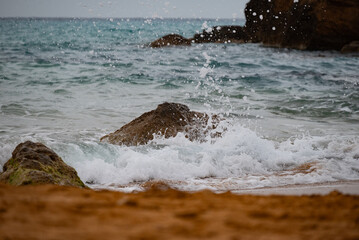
column 350, row 187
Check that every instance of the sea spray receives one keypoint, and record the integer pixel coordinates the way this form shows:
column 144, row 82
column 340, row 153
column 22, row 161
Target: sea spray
column 240, row 159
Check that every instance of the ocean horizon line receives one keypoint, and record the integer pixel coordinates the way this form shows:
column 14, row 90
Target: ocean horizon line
column 118, row 18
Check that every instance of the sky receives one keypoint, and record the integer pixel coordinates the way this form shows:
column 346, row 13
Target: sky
column 123, row 8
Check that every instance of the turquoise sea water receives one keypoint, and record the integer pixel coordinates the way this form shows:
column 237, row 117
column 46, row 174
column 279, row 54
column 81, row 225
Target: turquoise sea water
column 67, row 82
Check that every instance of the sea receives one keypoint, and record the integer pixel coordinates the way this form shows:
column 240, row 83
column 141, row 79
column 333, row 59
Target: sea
column 289, row 116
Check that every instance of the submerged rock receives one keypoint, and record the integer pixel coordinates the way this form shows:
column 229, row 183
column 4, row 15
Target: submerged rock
column 34, row 163
column 166, row 120
column 170, row 40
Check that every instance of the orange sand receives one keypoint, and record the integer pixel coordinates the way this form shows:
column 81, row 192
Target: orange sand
column 55, row 212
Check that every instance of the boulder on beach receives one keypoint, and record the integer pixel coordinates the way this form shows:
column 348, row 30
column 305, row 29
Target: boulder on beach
column 171, row 40
column 166, row 120
column 34, row 163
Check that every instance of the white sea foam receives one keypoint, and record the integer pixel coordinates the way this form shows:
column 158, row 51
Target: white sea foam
column 240, row 159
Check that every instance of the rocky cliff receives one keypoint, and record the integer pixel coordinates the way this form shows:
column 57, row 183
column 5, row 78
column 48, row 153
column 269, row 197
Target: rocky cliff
column 303, row 24
column 299, row 24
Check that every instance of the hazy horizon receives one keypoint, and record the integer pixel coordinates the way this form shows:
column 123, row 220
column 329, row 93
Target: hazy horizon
column 231, row 9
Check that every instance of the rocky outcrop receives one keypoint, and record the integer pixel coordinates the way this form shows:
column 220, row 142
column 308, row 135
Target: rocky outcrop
column 304, row 24
column 221, row 34
column 299, row 24
column 34, row 163
column 171, row 40
column 166, row 120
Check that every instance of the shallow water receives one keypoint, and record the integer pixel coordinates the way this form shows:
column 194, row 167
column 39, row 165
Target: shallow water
column 67, row 83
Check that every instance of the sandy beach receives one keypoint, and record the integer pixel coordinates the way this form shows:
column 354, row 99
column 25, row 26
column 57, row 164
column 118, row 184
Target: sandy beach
column 56, row 212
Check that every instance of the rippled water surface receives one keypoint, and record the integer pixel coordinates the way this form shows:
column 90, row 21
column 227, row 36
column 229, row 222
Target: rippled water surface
column 291, row 116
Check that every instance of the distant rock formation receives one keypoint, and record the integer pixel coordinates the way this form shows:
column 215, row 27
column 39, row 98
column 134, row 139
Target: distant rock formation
column 166, row 120
column 298, row 24
column 304, row 24
column 171, row 40
column 34, row 163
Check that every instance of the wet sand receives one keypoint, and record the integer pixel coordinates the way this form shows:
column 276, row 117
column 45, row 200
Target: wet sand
column 345, row 187
column 55, row 212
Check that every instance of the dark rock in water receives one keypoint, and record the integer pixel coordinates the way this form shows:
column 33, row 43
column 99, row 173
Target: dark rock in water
column 221, row 34
column 34, row 163
column 304, row 24
column 171, row 40
column 352, row 47
column 166, row 120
